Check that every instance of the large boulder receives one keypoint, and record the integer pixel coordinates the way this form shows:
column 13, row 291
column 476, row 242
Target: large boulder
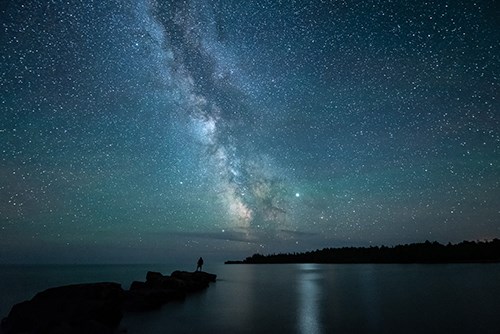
column 81, row 308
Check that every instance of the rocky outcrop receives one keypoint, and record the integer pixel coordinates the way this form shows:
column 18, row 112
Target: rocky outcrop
column 194, row 280
column 160, row 289
column 81, row 308
column 98, row 307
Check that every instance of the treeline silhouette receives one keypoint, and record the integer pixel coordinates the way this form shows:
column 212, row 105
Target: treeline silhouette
column 427, row 252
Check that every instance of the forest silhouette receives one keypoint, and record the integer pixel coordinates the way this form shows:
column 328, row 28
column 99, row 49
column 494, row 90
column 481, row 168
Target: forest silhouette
column 427, row 252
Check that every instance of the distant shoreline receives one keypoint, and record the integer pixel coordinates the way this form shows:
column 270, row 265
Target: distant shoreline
column 424, row 253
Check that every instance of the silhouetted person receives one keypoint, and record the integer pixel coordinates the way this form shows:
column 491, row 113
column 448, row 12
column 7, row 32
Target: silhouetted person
column 200, row 264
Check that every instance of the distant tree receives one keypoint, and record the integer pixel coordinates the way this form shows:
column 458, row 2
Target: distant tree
column 427, row 252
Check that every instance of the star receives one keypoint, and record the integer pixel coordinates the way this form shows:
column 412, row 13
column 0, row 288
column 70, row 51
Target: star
column 159, row 120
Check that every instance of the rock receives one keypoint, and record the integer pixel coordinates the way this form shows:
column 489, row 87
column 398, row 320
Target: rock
column 205, row 276
column 196, row 275
column 152, row 294
column 194, row 280
column 159, row 281
column 137, row 285
column 160, row 289
column 80, row 308
column 153, row 276
column 98, row 307
column 156, row 291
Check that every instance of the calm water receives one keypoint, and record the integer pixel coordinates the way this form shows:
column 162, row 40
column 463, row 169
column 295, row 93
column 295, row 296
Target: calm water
column 305, row 298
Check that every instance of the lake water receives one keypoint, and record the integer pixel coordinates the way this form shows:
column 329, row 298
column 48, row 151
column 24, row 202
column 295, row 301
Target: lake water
column 298, row 298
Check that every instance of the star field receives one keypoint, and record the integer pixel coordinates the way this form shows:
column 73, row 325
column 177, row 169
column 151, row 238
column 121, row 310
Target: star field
column 146, row 130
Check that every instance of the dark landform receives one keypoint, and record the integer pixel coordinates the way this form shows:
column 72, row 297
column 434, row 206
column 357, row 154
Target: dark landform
column 427, row 252
column 99, row 307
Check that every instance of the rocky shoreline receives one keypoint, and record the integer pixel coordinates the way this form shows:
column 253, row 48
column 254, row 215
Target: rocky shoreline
column 99, row 307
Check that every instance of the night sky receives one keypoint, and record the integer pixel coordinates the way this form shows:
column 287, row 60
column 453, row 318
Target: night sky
column 151, row 131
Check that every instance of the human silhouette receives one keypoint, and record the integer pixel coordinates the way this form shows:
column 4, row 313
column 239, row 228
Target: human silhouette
column 200, row 264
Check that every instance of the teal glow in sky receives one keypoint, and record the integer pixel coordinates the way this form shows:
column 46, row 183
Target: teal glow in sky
column 141, row 131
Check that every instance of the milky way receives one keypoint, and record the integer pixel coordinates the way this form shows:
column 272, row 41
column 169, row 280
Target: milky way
column 139, row 129
column 248, row 188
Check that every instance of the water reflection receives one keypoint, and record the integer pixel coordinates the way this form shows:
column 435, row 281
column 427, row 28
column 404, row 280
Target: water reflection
column 309, row 291
column 369, row 296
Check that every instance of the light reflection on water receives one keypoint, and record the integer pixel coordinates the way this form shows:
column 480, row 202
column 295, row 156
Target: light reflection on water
column 369, row 294
column 299, row 298
column 309, row 290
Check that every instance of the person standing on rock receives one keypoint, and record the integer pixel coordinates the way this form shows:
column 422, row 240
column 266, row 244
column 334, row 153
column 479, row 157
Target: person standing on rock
column 200, row 264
